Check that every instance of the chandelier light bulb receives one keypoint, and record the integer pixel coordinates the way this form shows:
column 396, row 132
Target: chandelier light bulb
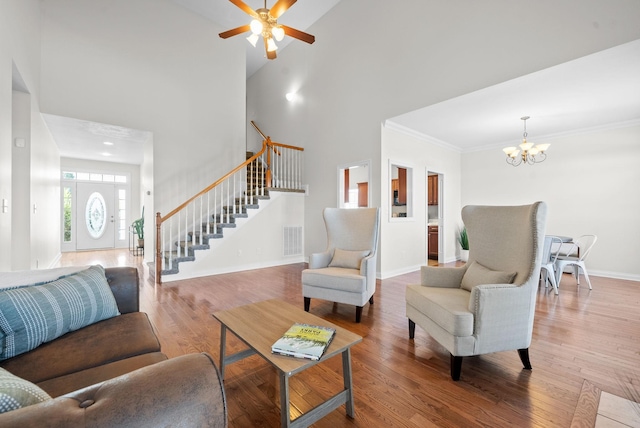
column 271, row 45
column 253, row 39
column 256, row 27
column 278, row 33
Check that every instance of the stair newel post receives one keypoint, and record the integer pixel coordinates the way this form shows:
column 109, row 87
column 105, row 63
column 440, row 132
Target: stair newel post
column 158, row 263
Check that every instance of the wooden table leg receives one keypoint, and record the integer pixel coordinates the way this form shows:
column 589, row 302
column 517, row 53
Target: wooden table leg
column 285, row 419
column 223, row 341
column 348, row 384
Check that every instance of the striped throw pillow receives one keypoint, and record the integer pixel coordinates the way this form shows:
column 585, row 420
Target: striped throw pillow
column 16, row 393
column 33, row 315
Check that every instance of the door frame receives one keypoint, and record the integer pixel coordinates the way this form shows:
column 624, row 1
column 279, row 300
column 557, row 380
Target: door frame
column 341, row 184
column 441, row 216
column 119, row 241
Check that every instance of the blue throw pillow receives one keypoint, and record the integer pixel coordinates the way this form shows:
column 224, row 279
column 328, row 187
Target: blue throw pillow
column 33, row 315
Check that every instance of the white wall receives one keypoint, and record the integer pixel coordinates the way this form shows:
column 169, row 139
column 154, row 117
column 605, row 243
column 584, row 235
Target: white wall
column 404, row 246
column 155, row 66
column 372, row 61
column 20, row 56
column 589, row 182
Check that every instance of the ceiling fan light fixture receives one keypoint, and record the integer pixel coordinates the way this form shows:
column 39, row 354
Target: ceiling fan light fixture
column 271, row 45
column 265, row 24
column 253, row 39
column 256, row 27
column 278, row 33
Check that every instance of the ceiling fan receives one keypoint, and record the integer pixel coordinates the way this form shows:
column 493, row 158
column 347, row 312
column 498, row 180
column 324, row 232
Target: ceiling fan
column 265, row 24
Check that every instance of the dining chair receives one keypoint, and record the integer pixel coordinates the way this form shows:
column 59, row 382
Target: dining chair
column 552, row 245
column 575, row 257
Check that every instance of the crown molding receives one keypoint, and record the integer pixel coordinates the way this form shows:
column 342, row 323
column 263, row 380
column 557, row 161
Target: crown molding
column 389, row 124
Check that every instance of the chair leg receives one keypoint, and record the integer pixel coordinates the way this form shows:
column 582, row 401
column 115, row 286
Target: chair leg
column 524, row 357
column 371, row 300
column 586, row 276
column 412, row 329
column 358, row 313
column 456, row 367
column 307, row 303
column 552, row 280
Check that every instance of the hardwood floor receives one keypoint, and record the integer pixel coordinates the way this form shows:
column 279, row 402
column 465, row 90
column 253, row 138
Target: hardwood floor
column 582, row 341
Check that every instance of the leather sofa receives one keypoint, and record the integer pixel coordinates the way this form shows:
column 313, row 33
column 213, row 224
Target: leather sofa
column 113, row 373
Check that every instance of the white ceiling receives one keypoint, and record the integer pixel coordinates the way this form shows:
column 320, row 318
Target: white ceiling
column 81, row 139
column 596, row 91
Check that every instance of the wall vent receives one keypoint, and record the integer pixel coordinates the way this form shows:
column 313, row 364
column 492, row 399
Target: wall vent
column 292, row 241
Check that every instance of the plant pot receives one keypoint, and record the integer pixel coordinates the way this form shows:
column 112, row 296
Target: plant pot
column 140, row 243
column 464, row 255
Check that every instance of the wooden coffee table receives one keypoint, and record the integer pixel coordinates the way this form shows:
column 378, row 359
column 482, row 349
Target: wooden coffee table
column 259, row 325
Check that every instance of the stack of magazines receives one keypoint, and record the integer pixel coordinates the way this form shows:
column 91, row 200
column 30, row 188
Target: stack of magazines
column 304, row 341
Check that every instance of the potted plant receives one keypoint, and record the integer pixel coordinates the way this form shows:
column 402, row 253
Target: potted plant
column 463, row 239
column 138, row 226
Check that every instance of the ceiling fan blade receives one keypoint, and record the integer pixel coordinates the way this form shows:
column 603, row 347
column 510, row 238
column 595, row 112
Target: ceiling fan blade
column 280, row 7
column 297, row 34
column 270, row 55
column 246, row 8
column 235, row 31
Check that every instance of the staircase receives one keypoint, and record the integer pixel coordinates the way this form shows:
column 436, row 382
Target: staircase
column 201, row 221
column 226, row 218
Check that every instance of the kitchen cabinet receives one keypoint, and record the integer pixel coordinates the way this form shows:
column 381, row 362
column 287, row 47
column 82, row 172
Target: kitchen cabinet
column 432, row 190
column 432, row 242
column 363, row 194
column 402, row 186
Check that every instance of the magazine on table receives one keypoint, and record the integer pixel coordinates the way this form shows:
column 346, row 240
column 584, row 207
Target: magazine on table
column 304, row 341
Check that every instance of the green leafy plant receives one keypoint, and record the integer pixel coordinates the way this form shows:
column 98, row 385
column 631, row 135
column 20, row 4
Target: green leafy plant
column 138, row 226
column 463, row 239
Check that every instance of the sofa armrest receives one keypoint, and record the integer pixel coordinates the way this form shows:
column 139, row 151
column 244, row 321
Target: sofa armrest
column 124, row 283
column 183, row 391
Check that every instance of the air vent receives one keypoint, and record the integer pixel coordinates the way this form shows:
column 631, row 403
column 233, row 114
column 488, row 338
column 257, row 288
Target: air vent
column 292, row 241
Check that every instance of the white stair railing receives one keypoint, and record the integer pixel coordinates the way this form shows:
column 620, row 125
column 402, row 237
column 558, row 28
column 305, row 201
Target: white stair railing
column 203, row 216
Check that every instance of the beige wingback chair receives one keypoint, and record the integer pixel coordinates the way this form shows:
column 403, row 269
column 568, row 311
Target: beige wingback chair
column 346, row 271
column 488, row 304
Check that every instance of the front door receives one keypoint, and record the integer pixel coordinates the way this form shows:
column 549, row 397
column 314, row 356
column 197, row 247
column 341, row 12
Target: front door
column 95, row 216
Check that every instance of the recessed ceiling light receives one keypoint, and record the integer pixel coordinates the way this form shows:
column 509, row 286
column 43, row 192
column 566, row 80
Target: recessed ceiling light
column 106, row 154
column 108, row 143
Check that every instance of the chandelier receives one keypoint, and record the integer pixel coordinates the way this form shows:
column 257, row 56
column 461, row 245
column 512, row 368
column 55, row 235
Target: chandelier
column 527, row 153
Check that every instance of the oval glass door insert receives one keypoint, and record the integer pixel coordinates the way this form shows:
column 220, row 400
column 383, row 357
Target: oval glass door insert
column 96, row 215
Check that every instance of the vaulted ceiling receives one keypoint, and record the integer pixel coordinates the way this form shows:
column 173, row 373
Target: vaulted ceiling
column 597, row 91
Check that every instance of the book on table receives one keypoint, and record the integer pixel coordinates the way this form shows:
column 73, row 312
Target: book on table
column 304, row 341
